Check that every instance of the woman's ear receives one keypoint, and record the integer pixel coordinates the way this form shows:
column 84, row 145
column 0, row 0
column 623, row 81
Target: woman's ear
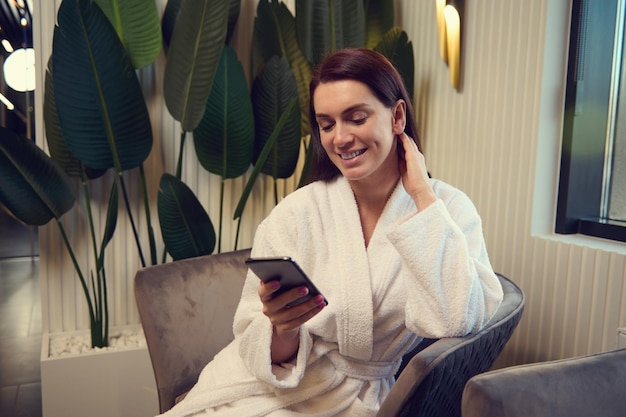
column 399, row 117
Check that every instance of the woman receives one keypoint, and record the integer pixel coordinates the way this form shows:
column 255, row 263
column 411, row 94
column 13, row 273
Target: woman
column 399, row 257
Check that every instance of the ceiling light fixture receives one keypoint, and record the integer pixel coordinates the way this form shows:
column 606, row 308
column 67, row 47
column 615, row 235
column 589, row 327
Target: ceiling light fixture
column 19, row 69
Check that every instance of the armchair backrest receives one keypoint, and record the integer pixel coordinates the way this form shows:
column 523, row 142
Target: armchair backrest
column 590, row 385
column 186, row 309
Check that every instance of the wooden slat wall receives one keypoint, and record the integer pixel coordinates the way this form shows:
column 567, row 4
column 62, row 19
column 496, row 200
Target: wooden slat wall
column 497, row 139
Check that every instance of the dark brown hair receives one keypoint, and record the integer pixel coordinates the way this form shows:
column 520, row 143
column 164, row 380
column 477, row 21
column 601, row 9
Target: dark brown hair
column 372, row 69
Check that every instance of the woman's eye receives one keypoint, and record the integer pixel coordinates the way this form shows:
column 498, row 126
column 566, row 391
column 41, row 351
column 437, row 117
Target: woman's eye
column 327, row 127
column 358, row 117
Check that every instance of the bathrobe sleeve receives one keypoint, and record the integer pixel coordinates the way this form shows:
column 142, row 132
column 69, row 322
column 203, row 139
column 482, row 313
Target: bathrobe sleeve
column 252, row 327
column 451, row 287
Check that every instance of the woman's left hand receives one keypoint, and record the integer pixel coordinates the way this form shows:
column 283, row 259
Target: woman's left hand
column 414, row 173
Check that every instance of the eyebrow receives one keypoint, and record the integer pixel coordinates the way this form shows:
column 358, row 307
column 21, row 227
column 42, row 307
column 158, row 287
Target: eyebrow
column 349, row 110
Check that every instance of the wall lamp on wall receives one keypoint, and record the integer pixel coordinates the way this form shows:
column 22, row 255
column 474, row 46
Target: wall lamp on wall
column 449, row 14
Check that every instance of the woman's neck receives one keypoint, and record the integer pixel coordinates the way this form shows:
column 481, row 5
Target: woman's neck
column 373, row 193
column 371, row 198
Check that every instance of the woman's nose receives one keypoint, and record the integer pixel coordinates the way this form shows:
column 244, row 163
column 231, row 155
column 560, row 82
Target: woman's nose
column 343, row 137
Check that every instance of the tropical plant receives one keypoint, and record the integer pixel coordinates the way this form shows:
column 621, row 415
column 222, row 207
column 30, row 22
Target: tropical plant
column 35, row 190
column 97, row 123
column 301, row 40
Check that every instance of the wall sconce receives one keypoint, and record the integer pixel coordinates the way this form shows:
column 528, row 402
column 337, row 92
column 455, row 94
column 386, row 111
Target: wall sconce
column 449, row 35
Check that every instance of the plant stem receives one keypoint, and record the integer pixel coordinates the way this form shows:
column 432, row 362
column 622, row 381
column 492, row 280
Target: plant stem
column 97, row 339
column 105, row 303
column 237, row 233
column 146, row 203
column 179, row 165
column 103, row 317
column 89, row 213
column 98, row 325
column 80, row 276
column 130, row 217
column 219, row 240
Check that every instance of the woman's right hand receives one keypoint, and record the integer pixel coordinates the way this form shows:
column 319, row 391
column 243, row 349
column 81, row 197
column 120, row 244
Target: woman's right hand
column 414, row 173
column 287, row 320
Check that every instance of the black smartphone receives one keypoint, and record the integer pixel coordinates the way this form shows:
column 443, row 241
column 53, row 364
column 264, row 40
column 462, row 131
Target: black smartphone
column 285, row 270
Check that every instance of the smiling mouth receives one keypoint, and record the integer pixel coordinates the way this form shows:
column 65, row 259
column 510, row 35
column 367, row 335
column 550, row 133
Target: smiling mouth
column 351, row 155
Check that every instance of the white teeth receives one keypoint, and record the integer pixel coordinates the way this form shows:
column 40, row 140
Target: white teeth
column 351, row 154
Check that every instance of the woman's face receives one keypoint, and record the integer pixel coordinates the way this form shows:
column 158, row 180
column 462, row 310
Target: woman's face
column 356, row 130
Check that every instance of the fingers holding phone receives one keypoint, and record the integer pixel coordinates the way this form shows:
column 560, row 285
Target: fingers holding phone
column 290, row 309
column 289, row 297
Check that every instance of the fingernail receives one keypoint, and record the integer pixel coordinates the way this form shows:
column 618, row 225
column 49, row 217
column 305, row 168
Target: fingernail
column 319, row 300
column 275, row 285
column 303, row 290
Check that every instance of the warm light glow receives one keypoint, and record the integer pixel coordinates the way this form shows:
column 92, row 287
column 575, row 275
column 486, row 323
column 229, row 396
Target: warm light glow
column 453, row 41
column 7, row 45
column 6, row 102
column 19, row 70
column 441, row 29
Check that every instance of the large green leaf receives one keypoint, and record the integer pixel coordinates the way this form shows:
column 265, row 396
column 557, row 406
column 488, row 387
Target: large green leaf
column 325, row 26
column 395, row 45
column 137, row 24
column 171, row 13
column 32, row 186
column 59, row 151
column 192, row 58
column 224, row 139
column 185, row 226
column 265, row 153
column 272, row 91
column 99, row 101
column 379, row 19
column 275, row 34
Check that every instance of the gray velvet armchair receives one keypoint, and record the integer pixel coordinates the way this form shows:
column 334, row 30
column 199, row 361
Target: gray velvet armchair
column 586, row 386
column 187, row 307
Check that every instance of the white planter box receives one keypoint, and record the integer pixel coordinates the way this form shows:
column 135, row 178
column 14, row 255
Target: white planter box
column 98, row 384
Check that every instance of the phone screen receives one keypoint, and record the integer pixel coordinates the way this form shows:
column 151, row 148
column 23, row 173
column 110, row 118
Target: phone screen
column 285, row 270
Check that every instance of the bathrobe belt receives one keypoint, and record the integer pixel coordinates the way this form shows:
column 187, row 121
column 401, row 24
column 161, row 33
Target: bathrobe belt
column 364, row 370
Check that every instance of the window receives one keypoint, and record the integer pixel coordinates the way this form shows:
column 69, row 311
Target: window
column 592, row 185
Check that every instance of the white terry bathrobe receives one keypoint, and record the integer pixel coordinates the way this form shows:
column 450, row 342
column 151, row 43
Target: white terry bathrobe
column 423, row 274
